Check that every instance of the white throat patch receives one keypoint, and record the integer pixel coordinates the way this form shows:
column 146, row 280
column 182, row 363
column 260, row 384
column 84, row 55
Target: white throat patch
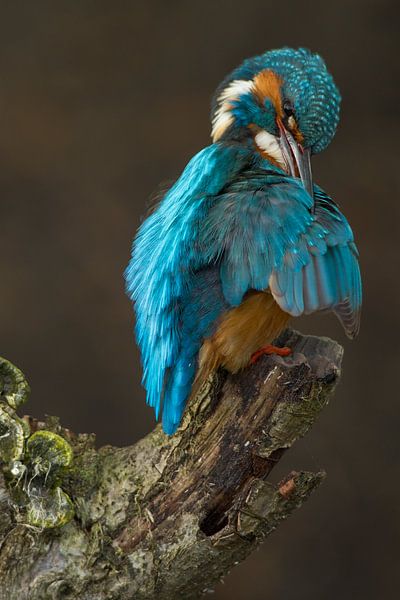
column 269, row 144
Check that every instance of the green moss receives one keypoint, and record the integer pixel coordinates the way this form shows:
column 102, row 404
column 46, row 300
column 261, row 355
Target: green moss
column 34, row 470
column 12, row 435
column 14, row 388
column 48, row 457
column 84, row 473
column 48, row 508
column 48, row 454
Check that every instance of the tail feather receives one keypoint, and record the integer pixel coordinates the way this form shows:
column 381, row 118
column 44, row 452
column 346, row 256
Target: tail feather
column 177, row 391
column 186, row 379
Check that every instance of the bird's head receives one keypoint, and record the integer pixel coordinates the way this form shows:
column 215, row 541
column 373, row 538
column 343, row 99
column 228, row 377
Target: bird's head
column 285, row 102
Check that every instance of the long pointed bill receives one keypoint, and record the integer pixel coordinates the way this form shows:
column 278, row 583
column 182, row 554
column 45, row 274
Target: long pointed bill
column 297, row 159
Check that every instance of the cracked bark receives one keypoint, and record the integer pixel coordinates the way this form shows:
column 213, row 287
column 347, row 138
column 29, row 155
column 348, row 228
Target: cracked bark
column 168, row 517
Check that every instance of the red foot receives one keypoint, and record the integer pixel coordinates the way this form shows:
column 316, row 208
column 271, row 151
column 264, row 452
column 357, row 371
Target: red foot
column 285, row 351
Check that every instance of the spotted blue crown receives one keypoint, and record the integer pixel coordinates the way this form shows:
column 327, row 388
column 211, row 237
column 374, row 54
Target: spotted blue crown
column 306, row 83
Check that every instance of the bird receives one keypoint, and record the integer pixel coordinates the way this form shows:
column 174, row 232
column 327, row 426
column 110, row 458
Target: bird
column 244, row 240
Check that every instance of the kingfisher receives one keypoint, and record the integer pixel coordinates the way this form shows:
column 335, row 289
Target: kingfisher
column 244, row 240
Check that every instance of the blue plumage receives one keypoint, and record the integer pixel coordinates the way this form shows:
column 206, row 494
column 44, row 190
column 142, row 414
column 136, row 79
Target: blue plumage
column 240, row 218
column 160, row 273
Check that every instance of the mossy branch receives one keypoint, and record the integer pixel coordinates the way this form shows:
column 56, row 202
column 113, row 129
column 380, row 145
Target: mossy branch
column 167, row 517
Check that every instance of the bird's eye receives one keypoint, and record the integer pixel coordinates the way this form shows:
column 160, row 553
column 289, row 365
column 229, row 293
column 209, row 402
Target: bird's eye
column 288, row 108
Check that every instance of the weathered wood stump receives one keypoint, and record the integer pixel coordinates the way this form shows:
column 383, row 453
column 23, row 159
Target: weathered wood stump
column 169, row 516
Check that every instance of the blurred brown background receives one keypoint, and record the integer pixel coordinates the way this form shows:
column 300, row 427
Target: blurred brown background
column 99, row 102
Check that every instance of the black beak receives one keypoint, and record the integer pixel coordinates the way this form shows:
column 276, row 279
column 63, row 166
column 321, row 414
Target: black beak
column 297, row 159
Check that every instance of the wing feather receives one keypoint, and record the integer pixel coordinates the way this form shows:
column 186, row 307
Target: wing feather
column 265, row 231
column 164, row 257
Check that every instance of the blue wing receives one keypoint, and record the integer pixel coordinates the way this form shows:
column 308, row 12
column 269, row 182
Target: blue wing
column 160, row 275
column 266, row 234
column 321, row 271
column 221, row 230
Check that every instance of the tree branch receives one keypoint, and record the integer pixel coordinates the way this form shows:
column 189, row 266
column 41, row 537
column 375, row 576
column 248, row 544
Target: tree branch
column 168, row 516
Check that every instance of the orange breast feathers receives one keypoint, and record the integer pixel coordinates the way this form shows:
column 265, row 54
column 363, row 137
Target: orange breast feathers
column 241, row 332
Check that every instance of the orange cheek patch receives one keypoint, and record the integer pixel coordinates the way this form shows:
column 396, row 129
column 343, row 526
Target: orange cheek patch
column 297, row 133
column 267, row 84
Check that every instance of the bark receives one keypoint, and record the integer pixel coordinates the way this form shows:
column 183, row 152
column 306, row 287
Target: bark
column 168, row 516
